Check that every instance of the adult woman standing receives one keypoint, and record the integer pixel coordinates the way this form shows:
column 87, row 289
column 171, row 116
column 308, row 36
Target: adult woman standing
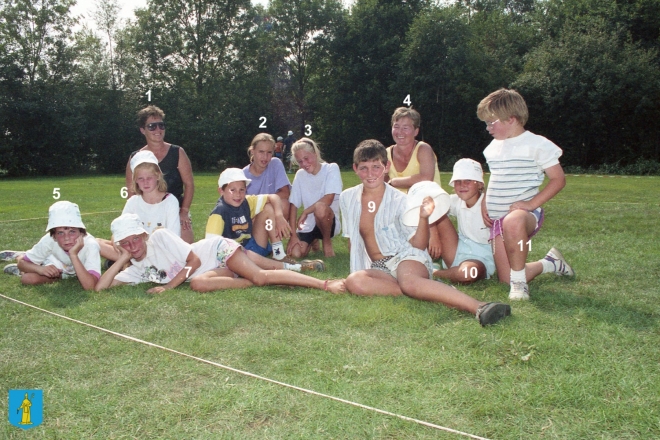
column 172, row 160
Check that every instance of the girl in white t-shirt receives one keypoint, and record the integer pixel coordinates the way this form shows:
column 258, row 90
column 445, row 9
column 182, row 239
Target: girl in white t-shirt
column 152, row 203
column 211, row 264
column 316, row 188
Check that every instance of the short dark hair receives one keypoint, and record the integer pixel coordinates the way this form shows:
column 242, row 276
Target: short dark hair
column 83, row 231
column 368, row 150
column 148, row 112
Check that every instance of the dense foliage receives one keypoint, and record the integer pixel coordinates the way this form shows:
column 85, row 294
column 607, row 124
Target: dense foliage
column 589, row 70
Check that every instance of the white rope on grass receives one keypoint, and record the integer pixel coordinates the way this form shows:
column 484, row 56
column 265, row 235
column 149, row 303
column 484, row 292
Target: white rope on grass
column 252, row 375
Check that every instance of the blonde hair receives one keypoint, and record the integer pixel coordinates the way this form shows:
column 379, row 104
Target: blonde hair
column 155, row 169
column 261, row 137
column 305, row 144
column 503, row 104
column 406, row 112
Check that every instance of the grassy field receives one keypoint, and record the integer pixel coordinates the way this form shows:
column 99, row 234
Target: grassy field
column 580, row 360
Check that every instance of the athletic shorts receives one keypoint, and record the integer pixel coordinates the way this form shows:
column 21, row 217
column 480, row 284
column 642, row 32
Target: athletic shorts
column 497, row 224
column 390, row 264
column 309, row 237
column 253, row 246
column 471, row 250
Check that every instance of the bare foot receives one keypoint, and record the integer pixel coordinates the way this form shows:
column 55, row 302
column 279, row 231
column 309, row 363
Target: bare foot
column 335, row 286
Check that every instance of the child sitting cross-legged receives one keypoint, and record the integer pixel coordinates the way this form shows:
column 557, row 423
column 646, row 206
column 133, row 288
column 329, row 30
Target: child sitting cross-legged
column 386, row 256
column 66, row 251
column 211, row 264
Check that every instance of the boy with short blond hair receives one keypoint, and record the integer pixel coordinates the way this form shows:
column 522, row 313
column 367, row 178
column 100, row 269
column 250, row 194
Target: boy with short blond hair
column 388, row 257
column 519, row 161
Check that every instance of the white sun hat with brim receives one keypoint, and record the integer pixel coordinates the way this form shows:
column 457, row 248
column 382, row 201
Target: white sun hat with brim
column 64, row 214
column 143, row 157
column 467, row 169
column 417, row 193
column 232, row 175
column 126, row 225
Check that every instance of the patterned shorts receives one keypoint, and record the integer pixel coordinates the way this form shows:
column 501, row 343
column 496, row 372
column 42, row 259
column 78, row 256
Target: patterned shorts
column 382, row 264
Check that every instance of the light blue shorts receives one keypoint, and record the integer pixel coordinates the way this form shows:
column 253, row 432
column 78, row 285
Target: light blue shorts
column 471, row 250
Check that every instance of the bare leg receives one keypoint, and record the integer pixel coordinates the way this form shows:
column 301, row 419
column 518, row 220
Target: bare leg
column 463, row 272
column 34, row 279
column 448, row 239
column 260, row 229
column 242, row 265
column 218, row 279
column 414, row 282
column 324, row 216
column 300, row 251
column 516, row 228
column 372, row 282
column 532, row 270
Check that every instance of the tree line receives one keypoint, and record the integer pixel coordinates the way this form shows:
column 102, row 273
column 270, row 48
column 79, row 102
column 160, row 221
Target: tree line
column 224, row 70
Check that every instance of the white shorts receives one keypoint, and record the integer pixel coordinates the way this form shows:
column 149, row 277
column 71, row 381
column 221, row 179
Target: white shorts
column 471, row 250
column 412, row 254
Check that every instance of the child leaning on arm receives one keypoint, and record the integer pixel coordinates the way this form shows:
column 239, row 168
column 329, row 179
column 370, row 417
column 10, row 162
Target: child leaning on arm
column 66, row 251
column 519, row 161
column 388, row 257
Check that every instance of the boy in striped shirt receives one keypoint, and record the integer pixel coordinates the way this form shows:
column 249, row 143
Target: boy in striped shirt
column 519, row 161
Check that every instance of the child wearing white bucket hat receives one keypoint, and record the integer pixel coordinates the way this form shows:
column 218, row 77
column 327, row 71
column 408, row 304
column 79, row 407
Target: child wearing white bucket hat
column 387, row 256
column 468, row 256
column 67, row 250
column 211, row 264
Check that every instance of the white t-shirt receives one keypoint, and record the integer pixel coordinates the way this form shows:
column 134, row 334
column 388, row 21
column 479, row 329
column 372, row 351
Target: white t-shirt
column 470, row 222
column 162, row 214
column 517, row 170
column 48, row 252
column 309, row 189
column 167, row 254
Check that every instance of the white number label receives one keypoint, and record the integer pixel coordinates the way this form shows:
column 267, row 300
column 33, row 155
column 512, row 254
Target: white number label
column 407, row 101
column 473, row 272
column 263, row 122
column 308, row 130
column 124, row 192
column 372, row 206
column 528, row 243
column 56, row 193
column 269, row 225
column 148, row 95
column 187, row 271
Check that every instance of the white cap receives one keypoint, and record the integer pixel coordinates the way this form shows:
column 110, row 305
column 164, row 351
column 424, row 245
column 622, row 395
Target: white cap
column 64, row 214
column 232, row 175
column 126, row 225
column 467, row 169
column 290, row 133
column 143, row 157
column 417, row 193
column 280, row 138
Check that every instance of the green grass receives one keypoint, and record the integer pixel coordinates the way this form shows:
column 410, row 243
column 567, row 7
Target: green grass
column 580, row 360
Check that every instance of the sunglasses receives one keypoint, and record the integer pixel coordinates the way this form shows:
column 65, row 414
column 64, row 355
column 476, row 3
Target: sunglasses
column 154, row 125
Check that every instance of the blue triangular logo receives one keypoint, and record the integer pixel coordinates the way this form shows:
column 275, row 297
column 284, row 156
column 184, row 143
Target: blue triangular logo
column 26, row 408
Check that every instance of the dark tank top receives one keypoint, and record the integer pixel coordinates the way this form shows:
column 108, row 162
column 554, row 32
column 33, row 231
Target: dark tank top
column 170, row 168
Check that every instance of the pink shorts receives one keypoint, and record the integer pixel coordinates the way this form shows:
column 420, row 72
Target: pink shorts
column 496, row 229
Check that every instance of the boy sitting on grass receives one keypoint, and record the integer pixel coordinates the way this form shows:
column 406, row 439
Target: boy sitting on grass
column 66, row 251
column 519, row 161
column 388, row 257
column 254, row 221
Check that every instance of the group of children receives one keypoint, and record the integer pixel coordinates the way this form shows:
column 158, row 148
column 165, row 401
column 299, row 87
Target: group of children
column 258, row 209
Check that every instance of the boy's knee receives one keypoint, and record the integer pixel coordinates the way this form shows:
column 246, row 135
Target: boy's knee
column 321, row 209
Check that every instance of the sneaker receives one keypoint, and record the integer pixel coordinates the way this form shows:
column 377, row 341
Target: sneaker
column 12, row 269
column 106, row 265
column 561, row 266
column 492, row 312
column 317, row 265
column 519, row 291
column 10, row 255
column 287, row 259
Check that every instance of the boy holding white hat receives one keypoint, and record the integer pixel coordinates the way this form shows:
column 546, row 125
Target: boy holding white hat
column 66, row 251
column 387, row 256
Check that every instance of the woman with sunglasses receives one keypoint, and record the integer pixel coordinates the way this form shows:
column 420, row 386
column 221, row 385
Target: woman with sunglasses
column 172, row 160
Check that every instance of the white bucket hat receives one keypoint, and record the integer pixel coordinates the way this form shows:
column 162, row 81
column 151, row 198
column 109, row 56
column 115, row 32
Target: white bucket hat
column 417, row 193
column 232, row 175
column 467, row 169
column 126, row 225
column 64, row 214
column 143, row 157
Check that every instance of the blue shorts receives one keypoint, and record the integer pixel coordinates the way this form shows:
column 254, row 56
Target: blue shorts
column 253, row 246
column 471, row 250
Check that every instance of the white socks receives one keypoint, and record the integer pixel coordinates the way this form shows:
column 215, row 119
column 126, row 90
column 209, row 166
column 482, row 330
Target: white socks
column 293, row 267
column 548, row 265
column 518, row 276
column 278, row 251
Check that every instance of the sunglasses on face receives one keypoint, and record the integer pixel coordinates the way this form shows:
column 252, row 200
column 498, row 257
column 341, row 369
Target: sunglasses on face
column 154, row 125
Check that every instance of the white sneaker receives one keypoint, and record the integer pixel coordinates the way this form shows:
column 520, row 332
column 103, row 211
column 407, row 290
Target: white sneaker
column 561, row 266
column 12, row 269
column 519, row 291
column 10, row 255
